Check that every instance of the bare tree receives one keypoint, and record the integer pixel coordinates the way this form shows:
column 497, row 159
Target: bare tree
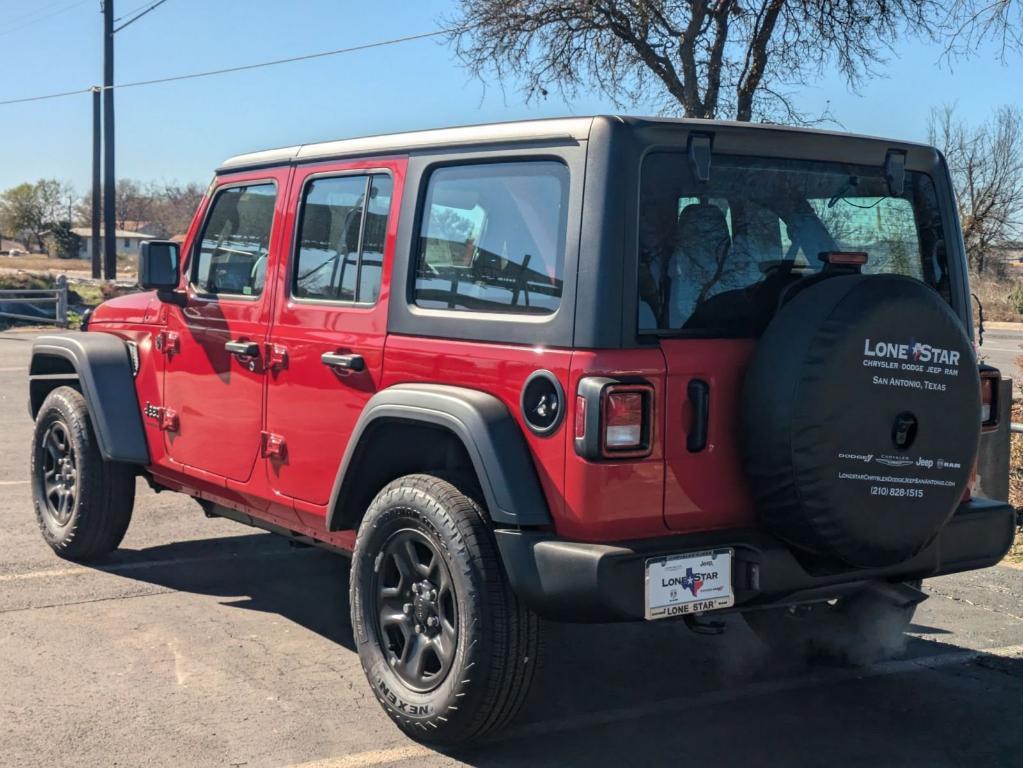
column 702, row 58
column 163, row 208
column 970, row 23
column 986, row 165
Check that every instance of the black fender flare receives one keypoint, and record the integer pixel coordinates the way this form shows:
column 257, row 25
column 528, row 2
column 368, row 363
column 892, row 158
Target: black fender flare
column 103, row 371
column 492, row 438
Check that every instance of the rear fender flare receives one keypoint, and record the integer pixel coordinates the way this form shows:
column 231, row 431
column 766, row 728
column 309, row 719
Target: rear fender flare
column 492, row 439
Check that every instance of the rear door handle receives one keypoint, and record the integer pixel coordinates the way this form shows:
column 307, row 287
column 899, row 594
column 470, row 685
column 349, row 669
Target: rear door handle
column 242, row 348
column 698, row 392
column 346, row 362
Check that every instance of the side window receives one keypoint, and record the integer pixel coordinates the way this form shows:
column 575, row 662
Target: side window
column 492, row 238
column 341, row 238
column 235, row 242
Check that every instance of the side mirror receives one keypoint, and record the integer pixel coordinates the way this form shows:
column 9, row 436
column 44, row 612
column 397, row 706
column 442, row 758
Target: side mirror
column 158, row 265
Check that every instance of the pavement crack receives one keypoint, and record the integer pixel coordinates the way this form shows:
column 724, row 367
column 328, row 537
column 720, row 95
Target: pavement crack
column 971, row 603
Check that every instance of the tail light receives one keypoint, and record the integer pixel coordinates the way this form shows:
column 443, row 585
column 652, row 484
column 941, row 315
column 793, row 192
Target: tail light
column 990, row 378
column 613, row 420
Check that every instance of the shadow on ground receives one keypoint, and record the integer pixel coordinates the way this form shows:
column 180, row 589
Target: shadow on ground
column 656, row 694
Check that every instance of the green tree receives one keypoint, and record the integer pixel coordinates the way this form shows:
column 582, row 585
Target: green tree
column 31, row 209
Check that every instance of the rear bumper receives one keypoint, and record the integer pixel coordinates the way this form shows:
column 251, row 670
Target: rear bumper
column 578, row 581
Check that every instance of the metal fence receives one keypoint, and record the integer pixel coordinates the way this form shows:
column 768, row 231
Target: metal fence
column 35, row 297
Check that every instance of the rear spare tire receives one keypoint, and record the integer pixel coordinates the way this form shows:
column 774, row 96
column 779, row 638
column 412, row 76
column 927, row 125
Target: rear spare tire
column 861, row 419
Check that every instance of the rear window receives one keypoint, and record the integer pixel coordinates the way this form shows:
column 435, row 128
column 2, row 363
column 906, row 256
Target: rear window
column 492, row 238
column 342, row 229
column 714, row 257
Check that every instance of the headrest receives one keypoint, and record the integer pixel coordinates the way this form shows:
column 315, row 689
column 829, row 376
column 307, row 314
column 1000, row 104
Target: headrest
column 702, row 225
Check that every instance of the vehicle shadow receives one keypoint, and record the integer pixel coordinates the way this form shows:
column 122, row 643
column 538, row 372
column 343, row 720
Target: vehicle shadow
column 658, row 694
column 257, row 572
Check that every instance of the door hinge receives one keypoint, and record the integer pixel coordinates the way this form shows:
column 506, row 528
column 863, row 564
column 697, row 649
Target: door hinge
column 168, row 342
column 273, row 446
column 276, row 356
column 166, row 418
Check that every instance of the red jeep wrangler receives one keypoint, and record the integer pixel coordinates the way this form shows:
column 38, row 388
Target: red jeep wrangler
column 593, row 369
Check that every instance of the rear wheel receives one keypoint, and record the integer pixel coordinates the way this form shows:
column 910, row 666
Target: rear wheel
column 859, row 629
column 446, row 646
column 83, row 504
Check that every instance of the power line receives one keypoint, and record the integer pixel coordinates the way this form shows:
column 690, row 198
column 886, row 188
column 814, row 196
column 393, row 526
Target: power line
column 136, row 8
column 37, row 19
column 240, row 68
column 135, row 18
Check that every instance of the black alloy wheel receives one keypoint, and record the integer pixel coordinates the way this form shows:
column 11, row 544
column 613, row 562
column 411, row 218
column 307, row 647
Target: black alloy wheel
column 56, row 456
column 416, row 606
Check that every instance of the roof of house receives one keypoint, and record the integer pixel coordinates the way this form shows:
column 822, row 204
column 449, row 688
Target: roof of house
column 120, row 233
column 565, row 128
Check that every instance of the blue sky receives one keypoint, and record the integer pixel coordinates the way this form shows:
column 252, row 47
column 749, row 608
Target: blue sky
column 181, row 131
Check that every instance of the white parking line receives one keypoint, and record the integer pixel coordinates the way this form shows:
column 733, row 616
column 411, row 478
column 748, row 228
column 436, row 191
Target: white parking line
column 371, row 758
column 15, row 482
column 12, row 370
column 655, row 708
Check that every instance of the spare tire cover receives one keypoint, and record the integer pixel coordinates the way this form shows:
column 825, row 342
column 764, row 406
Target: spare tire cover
column 861, row 418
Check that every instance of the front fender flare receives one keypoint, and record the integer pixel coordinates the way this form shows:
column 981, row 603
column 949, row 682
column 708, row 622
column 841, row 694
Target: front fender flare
column 491, row 436
column 104, row 374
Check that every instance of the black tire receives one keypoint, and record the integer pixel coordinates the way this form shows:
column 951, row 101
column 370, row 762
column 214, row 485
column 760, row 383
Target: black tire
column 478, row 660
column 82, row 503
column 856, row 630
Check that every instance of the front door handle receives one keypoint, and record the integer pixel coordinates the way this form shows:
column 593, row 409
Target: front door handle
column 346, row 362
column 242, row 348
column 699, row 395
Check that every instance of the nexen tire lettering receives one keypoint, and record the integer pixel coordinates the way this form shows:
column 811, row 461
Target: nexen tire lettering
column 399, row 704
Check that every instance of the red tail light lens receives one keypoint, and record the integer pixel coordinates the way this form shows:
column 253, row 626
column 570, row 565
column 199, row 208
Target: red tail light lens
column 626, row 421
column 989, row 380
column 580, row 417
column 623, row 422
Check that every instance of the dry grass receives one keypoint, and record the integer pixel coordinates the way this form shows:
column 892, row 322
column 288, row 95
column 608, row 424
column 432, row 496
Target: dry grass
column 126, row 265
column 994, row 294
column 1015, row 556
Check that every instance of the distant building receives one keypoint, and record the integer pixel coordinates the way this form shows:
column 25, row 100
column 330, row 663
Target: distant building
column 12, row 247
column 127, row 241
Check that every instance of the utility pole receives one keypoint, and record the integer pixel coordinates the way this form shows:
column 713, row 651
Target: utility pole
column 109, row 181
column 96, row 187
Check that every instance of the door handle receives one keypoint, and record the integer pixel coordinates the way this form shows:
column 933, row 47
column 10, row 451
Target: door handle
column 346, row 362
column 698, row 392
column 242, row 348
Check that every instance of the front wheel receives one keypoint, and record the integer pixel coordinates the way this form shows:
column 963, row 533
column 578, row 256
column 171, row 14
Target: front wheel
column 83, row 504
column 446, row 646
column 860, row 629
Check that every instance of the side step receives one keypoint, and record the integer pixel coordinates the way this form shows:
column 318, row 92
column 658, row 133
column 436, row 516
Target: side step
column 210, row 509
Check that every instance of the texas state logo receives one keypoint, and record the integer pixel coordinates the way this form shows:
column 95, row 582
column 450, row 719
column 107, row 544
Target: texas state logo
column 692, row 581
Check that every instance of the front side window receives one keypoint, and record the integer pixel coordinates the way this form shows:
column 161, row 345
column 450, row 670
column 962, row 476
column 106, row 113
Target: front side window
column 716, row 256
column 492, row 238
column 343, row 226
column 235, row 243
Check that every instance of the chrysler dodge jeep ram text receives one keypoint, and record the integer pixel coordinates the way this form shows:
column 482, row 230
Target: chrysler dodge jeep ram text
column 590, row 369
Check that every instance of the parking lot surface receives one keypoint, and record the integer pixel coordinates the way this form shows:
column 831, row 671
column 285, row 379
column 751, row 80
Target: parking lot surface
column 205, row 643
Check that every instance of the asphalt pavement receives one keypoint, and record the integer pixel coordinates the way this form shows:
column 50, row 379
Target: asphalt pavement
column 205, row 643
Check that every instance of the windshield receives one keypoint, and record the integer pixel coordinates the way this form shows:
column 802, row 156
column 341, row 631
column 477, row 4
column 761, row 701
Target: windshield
column 714, row 257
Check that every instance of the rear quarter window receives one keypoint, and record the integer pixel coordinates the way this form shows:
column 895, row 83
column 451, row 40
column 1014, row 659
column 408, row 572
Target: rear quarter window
column 492, row 238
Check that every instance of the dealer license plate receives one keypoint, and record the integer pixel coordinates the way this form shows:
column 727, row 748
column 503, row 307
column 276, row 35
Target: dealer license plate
column 692, row 582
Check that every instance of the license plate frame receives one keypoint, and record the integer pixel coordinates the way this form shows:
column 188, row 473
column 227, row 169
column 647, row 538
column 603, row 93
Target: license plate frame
column 673, row 588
